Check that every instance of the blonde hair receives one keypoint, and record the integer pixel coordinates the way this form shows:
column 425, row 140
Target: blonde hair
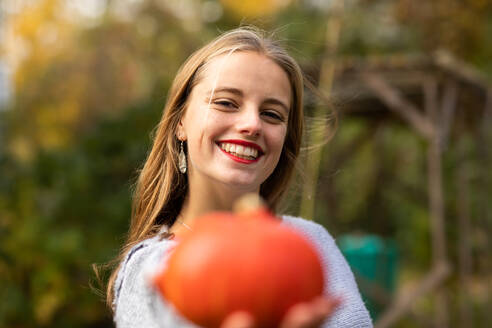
column 161, row 188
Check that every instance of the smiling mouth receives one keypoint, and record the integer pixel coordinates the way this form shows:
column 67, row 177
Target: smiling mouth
column 240, row 151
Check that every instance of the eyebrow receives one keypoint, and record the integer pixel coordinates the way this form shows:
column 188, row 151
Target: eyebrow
column 225, row 89
column 273, row 101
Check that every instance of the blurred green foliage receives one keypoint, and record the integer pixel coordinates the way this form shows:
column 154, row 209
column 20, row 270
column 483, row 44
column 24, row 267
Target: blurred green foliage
column 78, row 126
column 63, row 212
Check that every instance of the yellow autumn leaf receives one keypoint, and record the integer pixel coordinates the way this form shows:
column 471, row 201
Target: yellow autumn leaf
column 46, row 307
column 33, row 15
column 21, row 148
column 56, row 124
column 254, row 8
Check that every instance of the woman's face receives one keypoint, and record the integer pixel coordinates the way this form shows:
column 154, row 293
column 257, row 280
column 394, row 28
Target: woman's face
column 236, row 121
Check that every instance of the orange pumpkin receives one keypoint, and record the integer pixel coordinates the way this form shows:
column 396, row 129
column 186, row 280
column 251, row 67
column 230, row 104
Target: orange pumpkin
column 248, row 262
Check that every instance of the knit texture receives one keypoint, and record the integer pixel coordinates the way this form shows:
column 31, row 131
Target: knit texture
column 137, row 304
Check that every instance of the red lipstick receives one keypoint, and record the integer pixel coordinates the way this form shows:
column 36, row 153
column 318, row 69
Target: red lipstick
column 242, row 143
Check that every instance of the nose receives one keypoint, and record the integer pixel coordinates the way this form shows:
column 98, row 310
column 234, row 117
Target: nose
column 249, row 122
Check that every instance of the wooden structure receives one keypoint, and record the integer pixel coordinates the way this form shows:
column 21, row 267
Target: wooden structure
column 438, row 97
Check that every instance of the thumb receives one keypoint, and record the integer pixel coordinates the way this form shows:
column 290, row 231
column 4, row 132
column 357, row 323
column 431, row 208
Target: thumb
column 239, row 319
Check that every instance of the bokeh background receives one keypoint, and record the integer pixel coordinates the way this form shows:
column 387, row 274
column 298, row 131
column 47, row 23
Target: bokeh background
column 404, row 182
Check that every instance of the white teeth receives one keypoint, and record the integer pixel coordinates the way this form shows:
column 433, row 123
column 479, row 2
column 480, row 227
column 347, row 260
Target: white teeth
column 240, row 150
column 252, row 152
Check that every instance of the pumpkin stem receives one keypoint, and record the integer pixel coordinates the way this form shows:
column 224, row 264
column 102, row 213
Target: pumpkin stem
column 248, row 202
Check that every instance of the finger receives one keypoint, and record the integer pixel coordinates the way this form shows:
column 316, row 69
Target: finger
column 240, row 319
column 311, row 314
column 321, row 309
column 299, row 316
column 326, row 306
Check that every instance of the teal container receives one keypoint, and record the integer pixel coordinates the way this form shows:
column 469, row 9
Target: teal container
column 374, row 262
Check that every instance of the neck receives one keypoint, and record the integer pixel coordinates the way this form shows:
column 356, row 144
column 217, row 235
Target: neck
column 202, row 199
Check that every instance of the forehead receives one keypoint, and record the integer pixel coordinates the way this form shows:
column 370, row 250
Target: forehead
column 248, row 71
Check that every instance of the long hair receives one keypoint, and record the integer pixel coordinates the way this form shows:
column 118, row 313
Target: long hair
column 161, row 188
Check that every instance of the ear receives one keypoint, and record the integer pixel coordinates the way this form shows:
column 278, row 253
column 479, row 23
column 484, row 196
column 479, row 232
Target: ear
column 180, row 131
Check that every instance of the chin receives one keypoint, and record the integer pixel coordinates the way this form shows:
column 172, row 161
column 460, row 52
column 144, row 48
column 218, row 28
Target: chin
column 243, row 183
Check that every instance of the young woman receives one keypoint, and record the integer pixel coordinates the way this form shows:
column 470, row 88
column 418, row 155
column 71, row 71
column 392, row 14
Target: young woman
column 232, row 125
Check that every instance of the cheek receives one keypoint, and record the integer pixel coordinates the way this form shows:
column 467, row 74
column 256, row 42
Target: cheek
column 205, row 129
column 277, row 139
column 280, row 137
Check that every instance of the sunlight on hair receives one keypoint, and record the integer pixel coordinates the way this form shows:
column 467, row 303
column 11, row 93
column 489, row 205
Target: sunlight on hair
column 214, row 86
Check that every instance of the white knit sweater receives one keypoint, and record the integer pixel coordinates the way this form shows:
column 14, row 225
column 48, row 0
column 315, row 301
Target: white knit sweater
column 138, row 305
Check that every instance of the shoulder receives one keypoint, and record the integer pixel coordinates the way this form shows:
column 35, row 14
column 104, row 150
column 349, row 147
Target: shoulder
column 309, row 228
column 314, row 232
column 340, row 280
column 134, row 298
column 141, row 256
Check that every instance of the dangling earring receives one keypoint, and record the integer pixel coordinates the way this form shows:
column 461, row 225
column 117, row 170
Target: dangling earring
column 182, row 159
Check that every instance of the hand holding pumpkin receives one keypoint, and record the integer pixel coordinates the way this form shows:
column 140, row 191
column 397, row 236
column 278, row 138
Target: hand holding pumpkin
column 301, row 315
column 246, row 263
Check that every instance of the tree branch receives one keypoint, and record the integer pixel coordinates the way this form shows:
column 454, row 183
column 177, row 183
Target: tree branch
column 395, row 102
